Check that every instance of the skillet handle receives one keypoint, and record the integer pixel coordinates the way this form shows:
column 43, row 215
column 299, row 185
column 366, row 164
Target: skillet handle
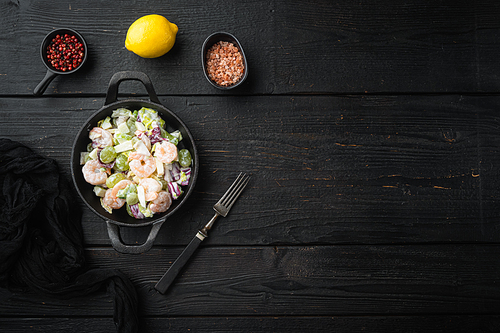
column 117, row 78
column 114, row 236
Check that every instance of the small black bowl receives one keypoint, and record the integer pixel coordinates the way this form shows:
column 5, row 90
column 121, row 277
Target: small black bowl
column 51, row 71
column 225, row 37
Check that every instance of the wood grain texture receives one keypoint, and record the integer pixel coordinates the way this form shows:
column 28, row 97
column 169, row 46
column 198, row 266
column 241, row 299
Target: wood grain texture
column 326, row 170
column 291, row 46
column 371, row 130
column 294, row 281
column 396, row 324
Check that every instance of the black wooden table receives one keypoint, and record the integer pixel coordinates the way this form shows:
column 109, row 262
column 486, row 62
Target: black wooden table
column 370, row 128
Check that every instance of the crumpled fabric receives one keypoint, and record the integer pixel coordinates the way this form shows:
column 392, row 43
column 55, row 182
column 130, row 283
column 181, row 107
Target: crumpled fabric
column 41, row 237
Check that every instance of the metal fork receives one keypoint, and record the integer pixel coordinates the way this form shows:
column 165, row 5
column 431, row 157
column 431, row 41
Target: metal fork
column 221, row 208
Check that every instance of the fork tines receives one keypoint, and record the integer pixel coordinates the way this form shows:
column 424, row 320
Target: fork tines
column 234, row 191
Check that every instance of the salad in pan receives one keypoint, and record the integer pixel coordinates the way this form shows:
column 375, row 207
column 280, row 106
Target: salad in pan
column 133, row 162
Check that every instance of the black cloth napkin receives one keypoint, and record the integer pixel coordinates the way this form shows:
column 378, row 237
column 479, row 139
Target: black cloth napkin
column 41, row 238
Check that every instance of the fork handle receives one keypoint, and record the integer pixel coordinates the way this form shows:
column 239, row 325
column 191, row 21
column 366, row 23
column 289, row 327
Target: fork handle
column 169, row 277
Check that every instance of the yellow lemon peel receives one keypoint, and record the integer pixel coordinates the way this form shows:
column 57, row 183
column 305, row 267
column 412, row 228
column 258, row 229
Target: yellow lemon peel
column 151, row 36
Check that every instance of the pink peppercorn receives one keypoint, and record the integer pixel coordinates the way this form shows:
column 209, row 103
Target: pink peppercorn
column 65, row 52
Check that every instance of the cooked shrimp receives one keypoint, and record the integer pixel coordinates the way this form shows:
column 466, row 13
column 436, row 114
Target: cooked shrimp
column 100, row 138
column 142, row 166
column 166, row 152
column 151, row 188
column 120, row 186
column 111, row 199
column 162, row 203
column 112, row 202
column 93, row 173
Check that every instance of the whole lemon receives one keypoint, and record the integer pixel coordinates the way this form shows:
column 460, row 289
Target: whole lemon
column 151, row 36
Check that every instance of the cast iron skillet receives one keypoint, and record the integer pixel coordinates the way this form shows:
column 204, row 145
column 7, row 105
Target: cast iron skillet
column 120, row 218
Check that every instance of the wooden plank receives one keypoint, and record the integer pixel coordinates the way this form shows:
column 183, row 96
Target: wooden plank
column 295, row 281
column 328, row 170
column 291, row 46
column 382, row 324
column 56, row 325
column 367, row 46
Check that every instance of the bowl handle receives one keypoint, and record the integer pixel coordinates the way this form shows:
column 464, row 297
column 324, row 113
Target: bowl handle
column 40, row 88
column 114, row 236
column 117, row 78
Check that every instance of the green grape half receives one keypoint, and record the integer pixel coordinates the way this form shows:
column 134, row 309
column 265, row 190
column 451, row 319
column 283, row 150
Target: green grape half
column 114, row 179
column 121, row 163
column 108, row 154
column 184, row 157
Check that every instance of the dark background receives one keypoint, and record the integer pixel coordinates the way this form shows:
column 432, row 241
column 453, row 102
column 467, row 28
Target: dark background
column 371, row 131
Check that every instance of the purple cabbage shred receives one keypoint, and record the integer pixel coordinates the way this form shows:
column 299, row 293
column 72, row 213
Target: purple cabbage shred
column 187, row 172
column 136, row 212
column 175, row 171
column 175, row 190
column 155, row 135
